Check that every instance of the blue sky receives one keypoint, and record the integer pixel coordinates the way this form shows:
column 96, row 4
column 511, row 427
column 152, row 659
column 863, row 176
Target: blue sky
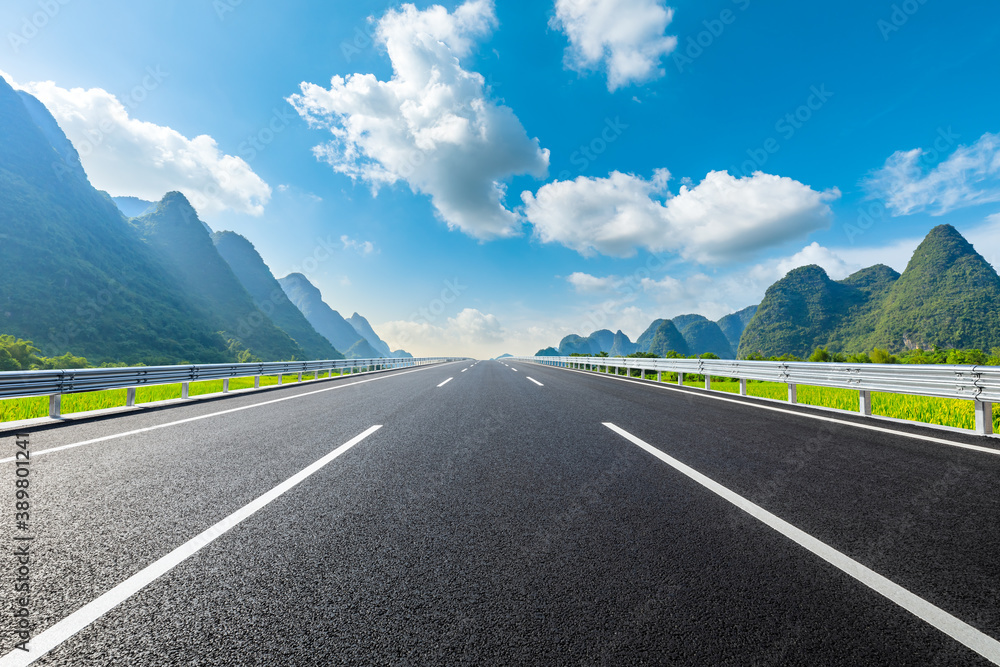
column 491, row 177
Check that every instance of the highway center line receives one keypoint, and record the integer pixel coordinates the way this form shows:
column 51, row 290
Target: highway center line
column 90, row 612
column 216, row 414
column 465, row 369
column 762, row 406
column 446, row 382
column 536, row 382
column 954, row 627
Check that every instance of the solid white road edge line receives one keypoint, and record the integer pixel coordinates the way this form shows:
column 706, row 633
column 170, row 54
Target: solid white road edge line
column 536, row 382
column 216, row 414
column 446, row 382
column 84, row 616
column 761, row 406
column 954, row 627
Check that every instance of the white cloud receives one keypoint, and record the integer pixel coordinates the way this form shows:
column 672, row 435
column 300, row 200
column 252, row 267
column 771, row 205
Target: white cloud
column 722, row 218
column 129, row 157
column 624, row 37
column 432, row 124
column 585, row 283
column 363, row 248
column 970, row 176
column 470, row 333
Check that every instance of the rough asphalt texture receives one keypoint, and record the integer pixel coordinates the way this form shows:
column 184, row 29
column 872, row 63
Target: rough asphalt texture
column 495, row 522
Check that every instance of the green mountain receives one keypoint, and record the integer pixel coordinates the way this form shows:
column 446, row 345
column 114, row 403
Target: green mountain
column 683, row 321
column 174, row 231
column 547, row 352
column 734, row 324
column 327, row 321
column 704, row 336
column 621, row 346
column 948, row 296
column 599, row 341
column 667, row 339
column 267, row 295
column 645, row 339
column 76, row 276
column 806, row 309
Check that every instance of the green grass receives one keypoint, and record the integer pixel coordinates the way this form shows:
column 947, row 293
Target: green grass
column 943, row 411
column 14, row 409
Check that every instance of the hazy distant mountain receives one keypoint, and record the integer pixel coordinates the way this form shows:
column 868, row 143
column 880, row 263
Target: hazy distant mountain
column 401, row 354
column 362, row 349
column 733, row 325
column 268, row 296
column 621, row 346
column 599, row 341
column 362, row 326
column 76, row 277
column 133, row 207
column 327, row 321
column 175, row 232
column 547, row 352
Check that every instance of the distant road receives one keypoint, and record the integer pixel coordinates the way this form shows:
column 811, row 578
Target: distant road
column 503, row 513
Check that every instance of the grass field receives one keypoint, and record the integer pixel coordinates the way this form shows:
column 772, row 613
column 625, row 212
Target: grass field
column 14, row 409
column 942, row 411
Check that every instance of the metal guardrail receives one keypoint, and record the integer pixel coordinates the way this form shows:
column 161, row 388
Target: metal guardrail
column 56, row 383
column 979, row 384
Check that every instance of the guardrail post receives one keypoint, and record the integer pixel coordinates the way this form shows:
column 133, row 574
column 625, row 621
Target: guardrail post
column 130, row 397
column 280, row 378
column 680, row 377
column 659, row 376
column 793, row 393
column 225, row 386
column 865, row 402
column 708, row 381
column 55, row 406
column 300, row 377
column 984, row 418
column 256, row 382
column 743, row 386
column 184, row 390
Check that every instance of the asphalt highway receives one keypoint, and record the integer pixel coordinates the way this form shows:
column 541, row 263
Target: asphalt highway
column 500, row 513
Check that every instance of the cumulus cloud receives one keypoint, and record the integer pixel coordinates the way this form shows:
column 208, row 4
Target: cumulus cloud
column 433, row 125
column 129, row 157
column 363, row 248
column 624, row 37
column 471, row 333
column 722, row 218
column 970, row 176
column 585, row 283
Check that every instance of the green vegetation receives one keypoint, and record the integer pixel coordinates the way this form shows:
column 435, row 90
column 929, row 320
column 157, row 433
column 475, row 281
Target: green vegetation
column 929, row 410
column 182, row 242
column 268, row 296
column 948, row 297
column 76, row 278
column 13, row 409
column 734, row 324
